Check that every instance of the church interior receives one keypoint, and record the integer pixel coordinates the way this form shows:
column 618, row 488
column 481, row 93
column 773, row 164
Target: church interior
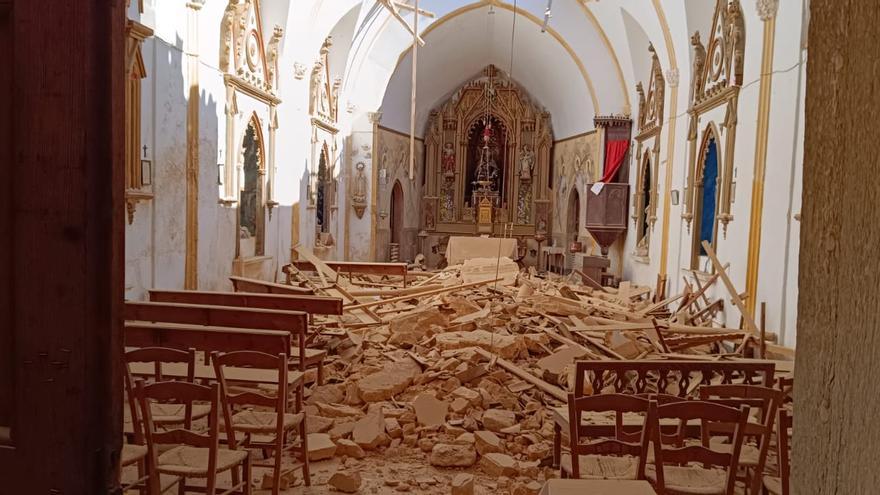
column 438, row 246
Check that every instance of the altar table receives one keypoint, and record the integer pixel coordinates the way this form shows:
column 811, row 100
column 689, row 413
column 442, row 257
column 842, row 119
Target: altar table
column 462, row 248
column 597, row 487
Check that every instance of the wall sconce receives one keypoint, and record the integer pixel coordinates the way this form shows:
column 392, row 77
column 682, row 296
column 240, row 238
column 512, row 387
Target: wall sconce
column 146, row 172
column 674, row 197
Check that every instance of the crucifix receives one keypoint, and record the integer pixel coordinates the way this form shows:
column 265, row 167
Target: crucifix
column 393, row 7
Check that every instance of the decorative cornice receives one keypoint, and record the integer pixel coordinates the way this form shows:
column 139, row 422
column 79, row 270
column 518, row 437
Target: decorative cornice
column 766, row 9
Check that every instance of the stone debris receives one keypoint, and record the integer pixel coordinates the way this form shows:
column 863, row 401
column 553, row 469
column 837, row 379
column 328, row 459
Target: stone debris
column 453, row 386
column 344, row 481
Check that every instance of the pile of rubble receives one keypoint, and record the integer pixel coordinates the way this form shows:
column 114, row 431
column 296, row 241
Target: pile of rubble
column 452, row 382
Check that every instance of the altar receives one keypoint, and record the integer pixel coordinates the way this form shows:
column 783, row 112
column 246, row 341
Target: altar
column 487, row 167
column 460, row 248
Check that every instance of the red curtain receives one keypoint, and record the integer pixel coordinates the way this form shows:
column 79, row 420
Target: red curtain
column 614, row 153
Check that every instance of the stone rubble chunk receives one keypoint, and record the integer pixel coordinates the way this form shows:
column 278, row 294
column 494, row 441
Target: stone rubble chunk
column 463, row 484
column 393, row 379
column 369, row 431
column 498, row 419
column 344, row 481
column 496, row 464
column 430, row 410
column 506, row 346
column 451, row 455
column 487, row 442
column 349, row 448
column 320, row 446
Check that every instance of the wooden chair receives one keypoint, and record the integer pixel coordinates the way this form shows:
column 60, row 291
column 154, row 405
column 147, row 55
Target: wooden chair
column 765, row 402
column 621, row 457
column 163, row 413
column 684, row 476
column 786, row 386
column 263, row 430
column 195, row 454
column 134, row 450
column 779, row 485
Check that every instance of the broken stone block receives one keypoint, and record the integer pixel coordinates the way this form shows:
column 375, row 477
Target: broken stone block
column 369, row 431
column 460, row 405
column 473, row 397
column 466, row 438
column 392, row 427
column 530, row 488
column 410, row 328
column 487, row 442
column 496, row 464
column 344, row 481
column 450, row 455
column 318, row 424
column 320, row 446
column 554, row 364
column 349, row 449
column 463, row 484
column 339, row 411
column 506, row 346
column 498, row 419
column 341, row 429
column 393, row 379
column 538, row 451
column 426, row 444
column 430, row 410
column 327, row 394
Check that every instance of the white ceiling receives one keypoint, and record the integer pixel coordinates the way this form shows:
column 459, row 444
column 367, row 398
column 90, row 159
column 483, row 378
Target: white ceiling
column 567, row 69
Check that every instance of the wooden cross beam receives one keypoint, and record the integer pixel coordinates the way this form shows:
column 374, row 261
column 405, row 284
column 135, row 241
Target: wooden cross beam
column 394, row 7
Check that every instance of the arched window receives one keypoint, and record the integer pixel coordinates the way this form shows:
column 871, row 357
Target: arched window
column 643, row 205
column 322, row 199
column 250, row 210
column 706, row 196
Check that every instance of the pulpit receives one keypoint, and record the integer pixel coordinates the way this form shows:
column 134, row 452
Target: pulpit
column 606, row 213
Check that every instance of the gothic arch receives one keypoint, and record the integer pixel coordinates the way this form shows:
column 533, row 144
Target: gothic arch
column 707, row 193
column 251, row 193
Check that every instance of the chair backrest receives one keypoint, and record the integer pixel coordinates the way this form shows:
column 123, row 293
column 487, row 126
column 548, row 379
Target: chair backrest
column 674, row 377
column 623, row 443
column 786, row 386
column 180, row 392
column 157, row 356
column 783, row 443
column 678, row 434
column 765, row 400
column 251, row 397
column 707, row 413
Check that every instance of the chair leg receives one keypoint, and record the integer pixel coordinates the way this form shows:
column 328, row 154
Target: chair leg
column 557, row 445
column 246, row 474
column 321, row 372
column 276, row 475
column 304, row 442
column 181, row 486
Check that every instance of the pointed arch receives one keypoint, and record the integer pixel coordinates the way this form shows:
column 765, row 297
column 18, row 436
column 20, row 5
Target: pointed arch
column 707, row 191
column 251, row 200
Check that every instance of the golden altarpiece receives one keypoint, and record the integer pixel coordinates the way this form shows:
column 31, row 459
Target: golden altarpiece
column 487, row 159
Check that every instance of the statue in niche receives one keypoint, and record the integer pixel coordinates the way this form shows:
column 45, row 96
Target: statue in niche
column 641, row 91
column 448, row 161
column 429, row 216
column 359, row 195
column 699, row 62
column 526, row 163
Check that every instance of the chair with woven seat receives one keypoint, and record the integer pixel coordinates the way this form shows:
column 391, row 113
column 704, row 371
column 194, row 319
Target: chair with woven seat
column 164, row 413
column 764, row 402
column 266, row 430
column 193, row 454
column 621, row 457
column 696, row 469
column 780, row 484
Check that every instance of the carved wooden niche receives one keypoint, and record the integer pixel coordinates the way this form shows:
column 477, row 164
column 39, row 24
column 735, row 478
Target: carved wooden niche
column 716, row 80
column 650, row 123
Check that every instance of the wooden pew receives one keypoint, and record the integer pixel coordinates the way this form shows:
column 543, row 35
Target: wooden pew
column 674, row 377
column 314, row 305
column 205, row 338
column 351, row 267
column 295, row 322
column 242, row 284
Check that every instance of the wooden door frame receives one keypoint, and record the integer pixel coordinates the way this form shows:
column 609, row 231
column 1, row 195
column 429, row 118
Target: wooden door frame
column 63, row 269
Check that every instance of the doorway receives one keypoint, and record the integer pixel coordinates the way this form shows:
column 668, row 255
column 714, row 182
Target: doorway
column 396, row 221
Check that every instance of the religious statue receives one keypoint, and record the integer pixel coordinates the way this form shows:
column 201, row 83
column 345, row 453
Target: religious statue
column 359, row 194
column 448, row 161
column 429, row 216
column 699, row 62
column 641, row 91
column 526, row 163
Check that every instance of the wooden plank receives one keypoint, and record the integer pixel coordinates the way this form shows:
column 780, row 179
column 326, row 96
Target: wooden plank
column 369, row 268
column 553, row 390
column 734, row 295
column 261, row 286
column 220, row 316
column 366, row 315
column 413, row 289
column 319, row 265
column 426, row 293
column 320, row 305
column 206, row 338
